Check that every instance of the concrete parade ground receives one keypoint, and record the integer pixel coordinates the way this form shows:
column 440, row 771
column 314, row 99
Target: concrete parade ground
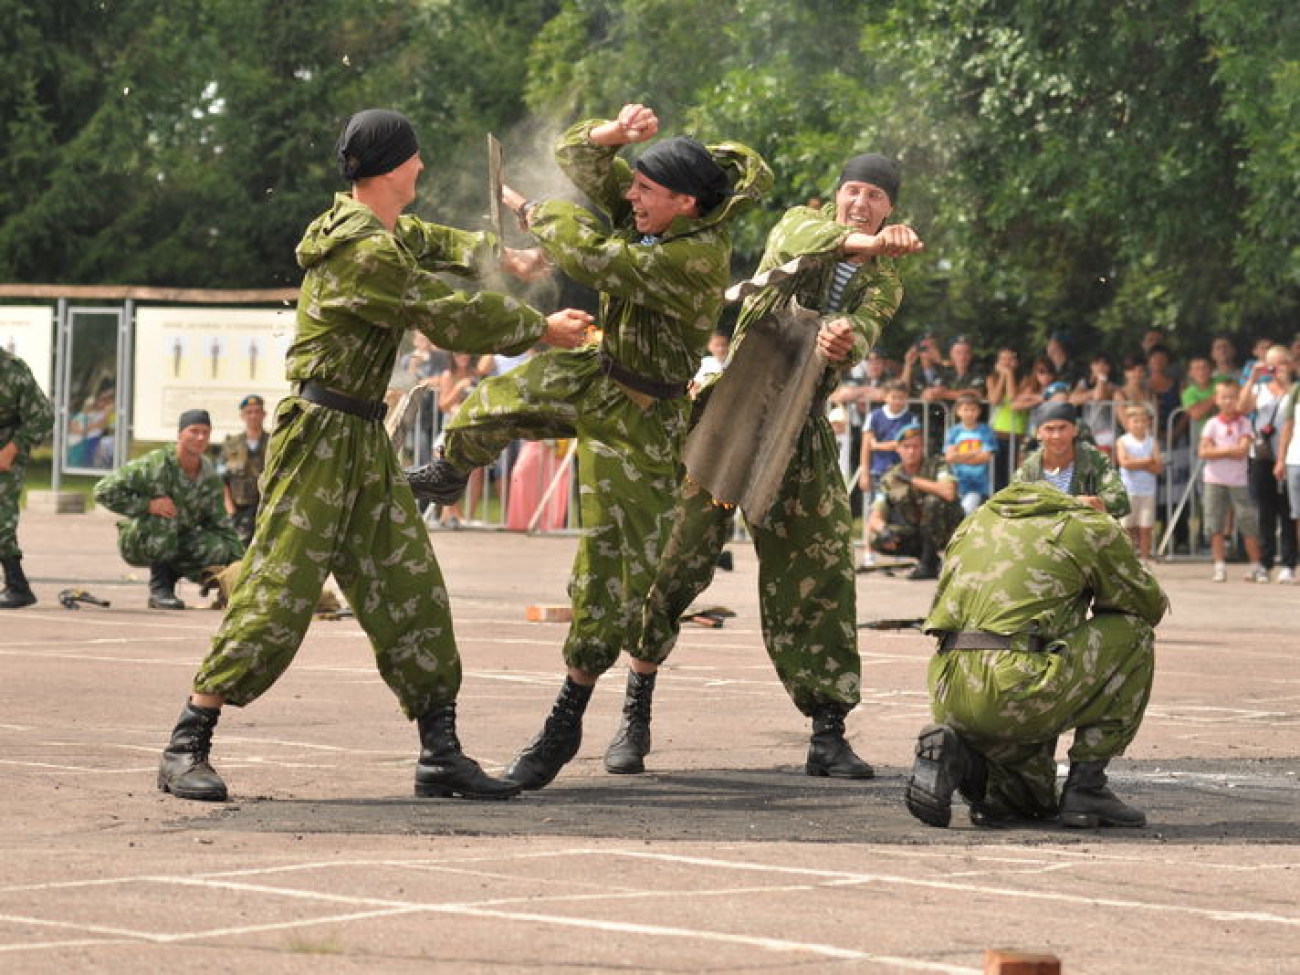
column 723, row 857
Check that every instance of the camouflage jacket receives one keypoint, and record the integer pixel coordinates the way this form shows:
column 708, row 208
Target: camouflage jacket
column 26, row 416
column 364, row 287
column 659, row 302
column 1034, row 560
column 241, row 467
column 1093, row 474
column 199, row 503
column 869, row 300
column 895, row 495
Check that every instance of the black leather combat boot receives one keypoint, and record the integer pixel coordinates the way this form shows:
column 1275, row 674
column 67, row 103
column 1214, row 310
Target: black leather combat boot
column 444, row 770
column 17, row 593
column 927, row 567
column 829, row 753
column 437, row 481
column 631, row 744
column 162, row 588
column 184, row 770
column 943, row 765
column 1086, row 800
column 542, row 758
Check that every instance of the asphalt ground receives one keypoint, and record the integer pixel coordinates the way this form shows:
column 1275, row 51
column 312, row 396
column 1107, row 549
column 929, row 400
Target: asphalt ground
column 723, row 857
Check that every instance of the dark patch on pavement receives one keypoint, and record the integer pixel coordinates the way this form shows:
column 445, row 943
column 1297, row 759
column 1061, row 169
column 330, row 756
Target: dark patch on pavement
column 1187, row 802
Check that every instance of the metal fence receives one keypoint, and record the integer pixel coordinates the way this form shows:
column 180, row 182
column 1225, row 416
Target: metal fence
column 532, row 487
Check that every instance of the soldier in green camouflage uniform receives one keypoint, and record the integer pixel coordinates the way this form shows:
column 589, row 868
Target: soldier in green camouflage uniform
column 334, row 499
column 173, row 502
column 1045, row 619
column 805, row 544
column 661, row 271
column 915, row 508
column 26, row 418
column 1072, row 464
column 243, row 458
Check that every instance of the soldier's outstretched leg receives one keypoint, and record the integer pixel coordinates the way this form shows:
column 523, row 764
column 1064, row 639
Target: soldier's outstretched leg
column 443, row 770
column 1086, row 800
column 542, row 758
column 184, row 770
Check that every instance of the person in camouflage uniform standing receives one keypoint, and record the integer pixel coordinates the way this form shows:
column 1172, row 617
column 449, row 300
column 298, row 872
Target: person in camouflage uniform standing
column 243, row 458
column 334, row 498
column 1045, row 621
column 805, row 545
column 176, row 520
column 1071, row 464
column 661, row 272
column 26, row 418
column 915, row 509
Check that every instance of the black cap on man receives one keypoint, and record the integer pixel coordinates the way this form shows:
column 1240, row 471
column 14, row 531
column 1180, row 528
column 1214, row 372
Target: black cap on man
column 374, row 142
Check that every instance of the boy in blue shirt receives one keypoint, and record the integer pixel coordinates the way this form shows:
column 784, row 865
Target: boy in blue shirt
column 968, row 448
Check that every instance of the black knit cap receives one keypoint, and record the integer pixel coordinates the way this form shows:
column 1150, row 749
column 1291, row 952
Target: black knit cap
column 194, row 418
column 685, row 166
column 1058, row 410
column 874, row 169
column 374, row 142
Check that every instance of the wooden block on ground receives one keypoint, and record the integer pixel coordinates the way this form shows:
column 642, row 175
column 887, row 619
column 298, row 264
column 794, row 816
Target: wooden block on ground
column 548, row 614
column 1001, row 962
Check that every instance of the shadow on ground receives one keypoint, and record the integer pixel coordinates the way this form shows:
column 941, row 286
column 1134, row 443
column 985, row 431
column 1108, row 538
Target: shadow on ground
column 1186, row 802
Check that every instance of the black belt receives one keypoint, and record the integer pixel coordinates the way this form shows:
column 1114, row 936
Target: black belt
column 982, row 640
column 620, row 373
column 367, row 409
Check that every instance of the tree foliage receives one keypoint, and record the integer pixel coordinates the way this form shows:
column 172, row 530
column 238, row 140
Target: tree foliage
column 1090, row 167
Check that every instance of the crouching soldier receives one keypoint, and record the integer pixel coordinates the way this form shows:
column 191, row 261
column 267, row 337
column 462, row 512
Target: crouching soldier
column 1045, row 620
column 176, row 521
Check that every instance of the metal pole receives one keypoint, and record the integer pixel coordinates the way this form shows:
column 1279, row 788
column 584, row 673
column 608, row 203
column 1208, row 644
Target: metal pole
column 61, row 379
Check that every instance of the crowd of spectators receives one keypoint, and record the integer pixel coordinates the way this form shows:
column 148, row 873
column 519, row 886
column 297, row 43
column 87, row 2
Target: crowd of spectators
column 879, row 398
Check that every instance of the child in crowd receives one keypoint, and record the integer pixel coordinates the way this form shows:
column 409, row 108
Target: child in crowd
column 969, row 447
column 1140, row 463
column 1225, row 441
column 880, row 438
column 880, row 442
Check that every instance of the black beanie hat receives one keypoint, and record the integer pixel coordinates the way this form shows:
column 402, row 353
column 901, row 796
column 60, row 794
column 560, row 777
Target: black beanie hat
column 685, row 166
column 374, row 142
column 1058, row 410
column 194, row 417
column 874, row 169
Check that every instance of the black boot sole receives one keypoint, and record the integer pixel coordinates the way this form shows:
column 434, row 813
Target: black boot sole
column 933, row 781
column 425, row 790
column 190, row 794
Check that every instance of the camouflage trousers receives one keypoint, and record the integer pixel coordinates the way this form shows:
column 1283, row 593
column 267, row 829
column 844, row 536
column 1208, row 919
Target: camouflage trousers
column 937, row 520
column 1010, row 706
column 627, row 460
column 152, row 540
column 336, row 501
column 806, row 583
column 11, row 490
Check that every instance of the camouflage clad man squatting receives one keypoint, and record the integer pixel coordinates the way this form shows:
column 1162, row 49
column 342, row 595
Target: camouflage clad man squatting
column 26, row 418
column 1073, row 465
column 805, row 545
column 334, row 498
column 1045, row 621
column 661, row 271
column 176, row 521
column 915, row 508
